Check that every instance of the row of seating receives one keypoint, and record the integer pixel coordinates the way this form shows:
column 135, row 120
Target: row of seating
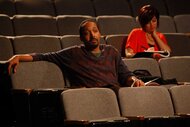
column 167, row 68
column 144, row 101
column 68, row 24
column 45, row 75
column 179, row 43
column 90, row 7
column 144, row 106
column 37, row 86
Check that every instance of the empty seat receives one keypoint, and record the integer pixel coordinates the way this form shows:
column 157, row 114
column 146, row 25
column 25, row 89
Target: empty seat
column 36, row 44
column 70, row 40
column 179, row 96
column 34, row 25
column 69, row 24
column 160, row 5
column 182, row 23
column 77, row 7
column 166, row 24
column 34, row 7
column 118, row 41
column 111, row 7
column 90, row 104
column 38, row 75
column 145, row 101
column 115, row 24
column 179, row 44
column 6, row 26
column 5, row 48
column 143, row 64
column 176, row 7
column 36, row 88
column 7, row 7
column 175, row 67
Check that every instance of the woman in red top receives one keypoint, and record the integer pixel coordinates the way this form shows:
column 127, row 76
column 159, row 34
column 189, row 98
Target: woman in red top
column 146, row 38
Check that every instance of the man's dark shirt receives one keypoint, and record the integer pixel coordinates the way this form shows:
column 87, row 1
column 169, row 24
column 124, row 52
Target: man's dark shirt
column 84, row 69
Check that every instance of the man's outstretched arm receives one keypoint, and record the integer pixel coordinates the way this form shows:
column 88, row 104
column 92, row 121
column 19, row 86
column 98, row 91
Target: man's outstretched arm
column 14, row 61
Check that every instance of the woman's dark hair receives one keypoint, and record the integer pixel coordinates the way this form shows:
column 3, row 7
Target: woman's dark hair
column 146, row 13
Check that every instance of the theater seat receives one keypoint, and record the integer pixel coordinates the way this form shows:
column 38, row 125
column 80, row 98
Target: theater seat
column 175, row 67
column 70, row 40
column 137, row 4
column 118, row 41
column 179, row 96
column 148, row 64
column 179, row 44
column 109, row 25
column 6, row 26
column 69, row 24
column 34, row 25
column 7, row 7
column 182, row 23
column 166, row 24
column 111, row 7
column 90, row 104
column 38, row 75
column 145, row 101
column 35, row 44
column 176, row 7
column 5, row 48
column 76, row 7
column 35, row 7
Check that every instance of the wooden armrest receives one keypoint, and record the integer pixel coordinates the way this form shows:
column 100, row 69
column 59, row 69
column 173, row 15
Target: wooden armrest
column 15, row 91
column 76, row 122
column 135, row 117
column 183, row 115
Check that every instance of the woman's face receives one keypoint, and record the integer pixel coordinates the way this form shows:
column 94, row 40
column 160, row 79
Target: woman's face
column 151, row 26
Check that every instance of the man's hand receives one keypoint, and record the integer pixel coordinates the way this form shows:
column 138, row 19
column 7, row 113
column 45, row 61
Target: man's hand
column 16, row 59
column 13, row 64
column 136, row 82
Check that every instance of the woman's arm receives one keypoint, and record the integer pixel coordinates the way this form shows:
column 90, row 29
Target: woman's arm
column 163, row 46
column 129, row 53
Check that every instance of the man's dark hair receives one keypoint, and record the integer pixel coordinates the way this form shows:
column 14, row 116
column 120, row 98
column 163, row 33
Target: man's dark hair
column 146, row 13
column 81, row 26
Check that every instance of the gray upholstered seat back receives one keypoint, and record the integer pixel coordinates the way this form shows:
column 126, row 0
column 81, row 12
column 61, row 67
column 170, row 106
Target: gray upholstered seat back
column 90, row 104
column 180, row 96
column 37, row 75
column 145, row 101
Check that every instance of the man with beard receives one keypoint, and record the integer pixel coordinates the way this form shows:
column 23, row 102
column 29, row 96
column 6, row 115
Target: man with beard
column 89, row 65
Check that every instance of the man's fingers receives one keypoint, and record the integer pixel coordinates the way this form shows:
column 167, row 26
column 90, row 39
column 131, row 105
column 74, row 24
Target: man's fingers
column 140, row 83
column 15, row 68
column 12, row 68
column 9, row 69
